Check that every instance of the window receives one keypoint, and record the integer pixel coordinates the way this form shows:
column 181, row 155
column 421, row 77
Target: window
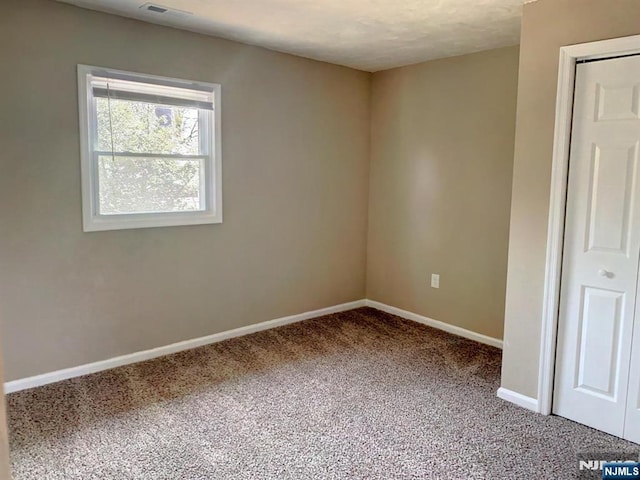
column 150, row 150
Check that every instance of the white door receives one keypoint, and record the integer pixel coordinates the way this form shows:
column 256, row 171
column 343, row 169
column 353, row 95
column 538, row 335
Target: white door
column 601, row 253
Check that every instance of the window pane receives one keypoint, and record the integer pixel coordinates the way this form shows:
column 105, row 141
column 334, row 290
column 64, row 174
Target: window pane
column 141, row 127
column 150, row 185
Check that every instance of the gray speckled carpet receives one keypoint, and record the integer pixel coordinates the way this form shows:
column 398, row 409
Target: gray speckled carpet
column 356, row 395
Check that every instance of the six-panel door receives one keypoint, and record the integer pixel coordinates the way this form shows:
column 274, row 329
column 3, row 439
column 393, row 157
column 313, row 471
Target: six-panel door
column 594, row 383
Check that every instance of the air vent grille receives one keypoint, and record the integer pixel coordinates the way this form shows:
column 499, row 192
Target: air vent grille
column 156, row 9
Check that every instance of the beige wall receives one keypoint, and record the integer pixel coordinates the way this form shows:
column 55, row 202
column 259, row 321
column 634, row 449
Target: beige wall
column 442, row 154
column 547, row 25
column 296, row 152
column 295, row 181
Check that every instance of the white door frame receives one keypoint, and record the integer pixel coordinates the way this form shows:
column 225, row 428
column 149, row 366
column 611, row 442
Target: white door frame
column 555, row 234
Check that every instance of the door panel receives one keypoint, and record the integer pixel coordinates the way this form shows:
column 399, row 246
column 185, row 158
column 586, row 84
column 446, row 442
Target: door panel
column 613, row 171
column 602, row 247
column 615, row 101
column 599, row 329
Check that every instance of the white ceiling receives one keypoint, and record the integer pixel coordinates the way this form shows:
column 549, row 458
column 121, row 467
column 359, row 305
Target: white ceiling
column 368, row 35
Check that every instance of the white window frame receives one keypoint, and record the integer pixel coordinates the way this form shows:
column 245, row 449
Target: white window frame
column 210, row 138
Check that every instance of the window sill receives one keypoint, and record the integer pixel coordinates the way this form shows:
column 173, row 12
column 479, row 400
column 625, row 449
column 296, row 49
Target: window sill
column 121, row 222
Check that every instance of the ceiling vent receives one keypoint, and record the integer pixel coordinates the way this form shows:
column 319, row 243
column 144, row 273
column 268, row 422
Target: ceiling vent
column 156, row 9
column 161, row 10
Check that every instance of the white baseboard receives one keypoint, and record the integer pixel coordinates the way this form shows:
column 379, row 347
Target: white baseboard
column 52, row 377
column 519, row 399
column 462, row 332
column 59, row 375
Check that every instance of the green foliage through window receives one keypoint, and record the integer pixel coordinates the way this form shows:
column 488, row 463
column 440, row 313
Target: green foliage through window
column 150, row 183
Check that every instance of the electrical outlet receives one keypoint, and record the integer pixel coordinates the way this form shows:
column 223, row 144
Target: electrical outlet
column 435, row 280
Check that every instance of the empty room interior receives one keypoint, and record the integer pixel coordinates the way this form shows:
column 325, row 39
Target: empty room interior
column 294, row 239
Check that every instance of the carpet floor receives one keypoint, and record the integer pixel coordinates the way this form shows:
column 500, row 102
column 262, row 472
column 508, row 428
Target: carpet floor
column 355, row 395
